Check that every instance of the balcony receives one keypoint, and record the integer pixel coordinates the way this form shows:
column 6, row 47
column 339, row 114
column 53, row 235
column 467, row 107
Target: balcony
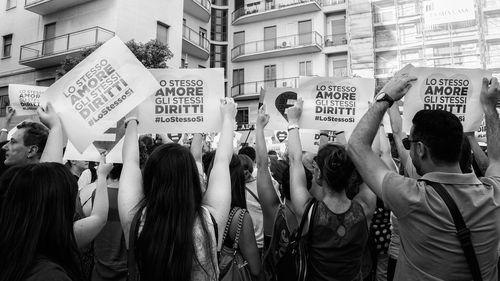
column 331, row 6
column 251, row 90
column 45, row 7
column 383, row 18
column 335, row 44
column 272, row 10
column 194, row 44
column 200, row 9
column 491, row 5
column 278, row 47
column 53, row 51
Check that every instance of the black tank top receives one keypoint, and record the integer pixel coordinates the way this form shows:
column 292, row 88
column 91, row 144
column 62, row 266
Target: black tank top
column 337, row 243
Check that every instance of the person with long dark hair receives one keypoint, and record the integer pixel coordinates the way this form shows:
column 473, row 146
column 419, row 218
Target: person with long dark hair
column 177, row 225
column 247, row 242
column 337, row 227
column 37, row 208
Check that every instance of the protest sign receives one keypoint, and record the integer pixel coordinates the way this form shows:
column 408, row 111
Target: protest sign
column 480, row 134
column 335, row 103
column 111, row 141
column 281, row 136
column 454, row 90
column 25, row 99
column 310, row 139
column 100, row 90
column 277, row 100
column 188, row 101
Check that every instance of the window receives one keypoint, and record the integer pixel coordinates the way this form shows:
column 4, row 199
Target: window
column 269, row 38
column 338, row 33
column 184, row 63
column 218, row 56
column 340, row 67
column 4, row 100
column 219, row 25
column 11, row 4
column 238, row 80
column 238, row 43
column 305, row 32
column 203, row 37
column 269, row 76
column 7, row 46
column 162, row 32
column 305, row 68
column 49, row 34
column 242, row 116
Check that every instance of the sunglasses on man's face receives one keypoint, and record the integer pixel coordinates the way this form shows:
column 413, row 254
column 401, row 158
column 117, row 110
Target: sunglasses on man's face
column 407, row 143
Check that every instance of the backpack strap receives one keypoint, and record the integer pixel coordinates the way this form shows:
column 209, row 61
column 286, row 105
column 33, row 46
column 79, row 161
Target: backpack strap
column 133, row 274
column 463, row 233
column 238, row 231
column 253, row 194
column 228, row 224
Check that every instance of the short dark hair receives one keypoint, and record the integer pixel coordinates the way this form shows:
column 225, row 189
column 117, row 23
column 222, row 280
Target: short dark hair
column 441, row 132
column 248, row 151
column 34, row 134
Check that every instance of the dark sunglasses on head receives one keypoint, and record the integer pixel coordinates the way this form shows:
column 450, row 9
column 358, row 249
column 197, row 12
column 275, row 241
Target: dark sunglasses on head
column 407, row 143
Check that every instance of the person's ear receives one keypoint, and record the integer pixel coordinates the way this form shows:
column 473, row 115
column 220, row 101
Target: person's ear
column 32, row 151
column 422, row 150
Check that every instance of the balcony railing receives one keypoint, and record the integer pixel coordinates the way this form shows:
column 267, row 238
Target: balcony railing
column 195, row 38
column 335, row 40
column 268, row 6
column 254, row 87
column 279, row 43
column 333, row 2
column 64, row 44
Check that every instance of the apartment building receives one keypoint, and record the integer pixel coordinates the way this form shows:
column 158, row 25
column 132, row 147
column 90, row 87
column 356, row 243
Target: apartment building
column 37, row 35
column 274, row 42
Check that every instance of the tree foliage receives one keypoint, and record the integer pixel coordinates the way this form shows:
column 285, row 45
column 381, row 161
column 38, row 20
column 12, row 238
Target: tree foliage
column 153, row 54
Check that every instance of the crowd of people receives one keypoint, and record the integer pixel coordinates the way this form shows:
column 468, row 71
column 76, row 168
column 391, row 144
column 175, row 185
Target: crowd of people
column 374, row 208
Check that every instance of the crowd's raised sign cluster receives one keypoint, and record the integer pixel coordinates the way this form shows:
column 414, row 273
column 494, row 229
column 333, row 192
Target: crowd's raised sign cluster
column 93, row 99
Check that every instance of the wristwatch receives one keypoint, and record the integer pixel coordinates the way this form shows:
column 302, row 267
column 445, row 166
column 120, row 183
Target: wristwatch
column 383, row 96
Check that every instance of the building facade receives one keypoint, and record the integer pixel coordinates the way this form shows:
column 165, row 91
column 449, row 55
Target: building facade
column 259, row 43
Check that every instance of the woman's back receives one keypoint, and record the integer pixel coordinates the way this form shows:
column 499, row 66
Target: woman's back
column 337, row 242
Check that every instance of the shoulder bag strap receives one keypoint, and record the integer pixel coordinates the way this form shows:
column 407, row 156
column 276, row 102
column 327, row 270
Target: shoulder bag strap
column 463, row 233
column 228, row 224
column 253, row 194
column 133, row 275
column 304, row 219
column 238, row 231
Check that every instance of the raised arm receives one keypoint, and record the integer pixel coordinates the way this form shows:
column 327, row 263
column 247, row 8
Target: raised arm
column 88, row 228
column 397, row 132
column 269, row 200
column 4, row 124
column 53, row 151
column 130, row 191
column 298, row 185
column 490, row 94
column 479, row 156
column 369, row 165
column 249, row 250
column 385, row 150
column 217, row 198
